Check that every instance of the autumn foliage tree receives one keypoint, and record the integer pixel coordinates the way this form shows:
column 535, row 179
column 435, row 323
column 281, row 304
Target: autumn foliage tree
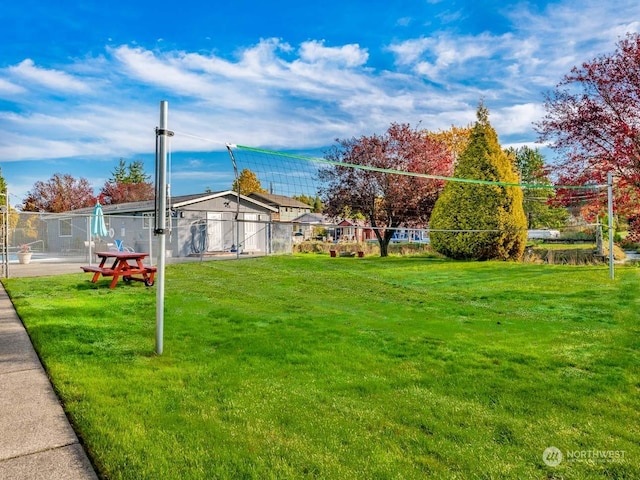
column 388, row 201
column 61, row 193
column 592, row 120
column 247, row 183
column 128, row 183
column 455, row 138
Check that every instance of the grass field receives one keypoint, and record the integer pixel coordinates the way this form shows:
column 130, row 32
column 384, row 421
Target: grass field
column 343, row 368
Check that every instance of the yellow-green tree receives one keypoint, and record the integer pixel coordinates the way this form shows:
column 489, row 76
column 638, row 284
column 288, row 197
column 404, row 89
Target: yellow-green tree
column 481, row 221
column 247, row 183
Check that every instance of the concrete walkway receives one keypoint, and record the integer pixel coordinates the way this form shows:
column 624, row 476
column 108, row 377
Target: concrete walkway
column 36, row 439
column 40, row 269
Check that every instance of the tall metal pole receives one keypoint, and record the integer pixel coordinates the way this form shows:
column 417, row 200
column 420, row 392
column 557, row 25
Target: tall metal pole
column 7, row 219
column 237, row 219
column 151, row 244
column 6, row 212
column 89, row 238
column 610, row 212
column 161, row 219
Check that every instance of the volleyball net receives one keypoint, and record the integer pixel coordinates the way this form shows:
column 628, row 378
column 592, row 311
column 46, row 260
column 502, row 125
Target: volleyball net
column 555, row 212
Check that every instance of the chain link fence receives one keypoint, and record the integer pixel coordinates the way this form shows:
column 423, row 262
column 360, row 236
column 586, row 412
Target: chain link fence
column 49, row 239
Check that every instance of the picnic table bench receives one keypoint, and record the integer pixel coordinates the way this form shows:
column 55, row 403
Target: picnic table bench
column 126, row 265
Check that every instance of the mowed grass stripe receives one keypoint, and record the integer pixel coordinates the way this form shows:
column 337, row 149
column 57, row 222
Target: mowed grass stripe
column 316, row 367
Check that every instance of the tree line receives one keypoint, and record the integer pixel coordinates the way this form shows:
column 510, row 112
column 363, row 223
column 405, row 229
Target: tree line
column 591, row 120
column 467, row 220
column 63, row 192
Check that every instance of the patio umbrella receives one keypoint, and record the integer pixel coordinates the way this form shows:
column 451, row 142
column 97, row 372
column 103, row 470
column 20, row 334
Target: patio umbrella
column 98, row 227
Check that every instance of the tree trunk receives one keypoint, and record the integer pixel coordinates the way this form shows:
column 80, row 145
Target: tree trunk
column 384, row 241
column 384, row 247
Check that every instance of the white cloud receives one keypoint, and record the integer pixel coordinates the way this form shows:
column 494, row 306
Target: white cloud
column 517, row 118
column 409, row 51
column 147, row 67
column 565, row 34
column 262, row 83
column 9, row 88
column 347, row 55
column 52, row 79
column 17, row 147
column 446, row 55
column 93, row 130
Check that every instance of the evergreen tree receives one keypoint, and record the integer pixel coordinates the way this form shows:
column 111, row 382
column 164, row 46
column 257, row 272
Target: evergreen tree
column 490, row 218
column 317, row 205
column 119, row 174
column 314, row 202
column 128, row 183
column 539, row 205
column 132, row 173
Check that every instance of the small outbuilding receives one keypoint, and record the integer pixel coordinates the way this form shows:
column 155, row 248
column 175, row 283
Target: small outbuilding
column 207, row 223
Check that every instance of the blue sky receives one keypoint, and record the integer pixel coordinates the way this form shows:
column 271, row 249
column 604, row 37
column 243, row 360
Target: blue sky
column 81, row 82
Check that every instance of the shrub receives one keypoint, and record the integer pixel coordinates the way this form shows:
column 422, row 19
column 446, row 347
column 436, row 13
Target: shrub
column 582, row 235
column 629, row 245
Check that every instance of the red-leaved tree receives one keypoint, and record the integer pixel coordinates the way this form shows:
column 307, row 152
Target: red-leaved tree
column 61, row 193
column 117, row 192
column 388, row 201
column 593, row 120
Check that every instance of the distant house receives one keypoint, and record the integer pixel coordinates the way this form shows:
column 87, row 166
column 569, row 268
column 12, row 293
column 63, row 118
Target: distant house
column 542, row 234
column 288, row 208
column 410, row 235
column 200, row 224
column 353, row 231
column 308, row 225
column 305, row 227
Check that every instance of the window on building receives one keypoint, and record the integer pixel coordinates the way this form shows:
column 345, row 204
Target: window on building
column 64, row 227
column 147, row 220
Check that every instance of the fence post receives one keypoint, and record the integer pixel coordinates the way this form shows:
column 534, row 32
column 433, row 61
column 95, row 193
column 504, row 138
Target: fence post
column 610, row 212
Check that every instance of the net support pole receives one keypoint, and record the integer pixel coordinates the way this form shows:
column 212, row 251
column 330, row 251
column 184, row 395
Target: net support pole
column 89, row 239
column 161, row 219
column 610, row 214
column 237, row 182
column 5, row 234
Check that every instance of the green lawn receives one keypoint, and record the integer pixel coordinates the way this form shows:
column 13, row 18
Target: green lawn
column 345, row 368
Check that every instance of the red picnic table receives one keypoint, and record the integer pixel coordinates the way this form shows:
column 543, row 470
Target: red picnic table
column 126, row 265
